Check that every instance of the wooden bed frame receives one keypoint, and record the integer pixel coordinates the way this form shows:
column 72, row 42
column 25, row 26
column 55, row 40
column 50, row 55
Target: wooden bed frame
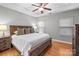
column 36, row 51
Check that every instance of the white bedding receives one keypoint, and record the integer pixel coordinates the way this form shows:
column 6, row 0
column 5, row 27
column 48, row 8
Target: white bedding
column 25, row 42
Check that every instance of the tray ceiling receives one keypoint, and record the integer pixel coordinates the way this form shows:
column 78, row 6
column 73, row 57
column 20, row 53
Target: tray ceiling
column 27, row 8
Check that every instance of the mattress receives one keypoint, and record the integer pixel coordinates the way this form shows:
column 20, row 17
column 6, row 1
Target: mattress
column 25, row 42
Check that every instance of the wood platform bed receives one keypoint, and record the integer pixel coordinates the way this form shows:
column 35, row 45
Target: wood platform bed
column 36, row 51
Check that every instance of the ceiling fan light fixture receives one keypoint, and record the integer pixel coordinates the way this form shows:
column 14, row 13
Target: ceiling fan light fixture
column 41, row 9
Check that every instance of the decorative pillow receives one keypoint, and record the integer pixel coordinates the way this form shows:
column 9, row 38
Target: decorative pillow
column 27, row 30
column 20, row 31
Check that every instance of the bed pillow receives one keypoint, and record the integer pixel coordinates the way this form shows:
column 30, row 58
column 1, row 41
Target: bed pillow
column 20, row 31
column 32, row 30
column 27, row 30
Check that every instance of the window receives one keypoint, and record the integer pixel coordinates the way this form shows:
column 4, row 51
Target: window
column 66, row 26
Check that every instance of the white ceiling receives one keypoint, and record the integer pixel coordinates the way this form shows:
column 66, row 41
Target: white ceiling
column 27, row 8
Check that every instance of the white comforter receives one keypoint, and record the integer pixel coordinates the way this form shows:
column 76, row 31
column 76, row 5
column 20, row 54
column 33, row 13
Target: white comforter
column 25, row 42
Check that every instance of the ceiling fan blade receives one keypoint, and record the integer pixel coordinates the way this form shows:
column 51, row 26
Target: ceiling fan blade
column 35, row 10
column 42, row 12
column 47, row 8
column 35, row 5
column 41, row 4
column 45, row 4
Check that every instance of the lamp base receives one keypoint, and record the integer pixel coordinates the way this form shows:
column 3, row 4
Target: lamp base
column 3, row 34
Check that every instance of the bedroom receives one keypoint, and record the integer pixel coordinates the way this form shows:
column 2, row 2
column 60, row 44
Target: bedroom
column 53, row 22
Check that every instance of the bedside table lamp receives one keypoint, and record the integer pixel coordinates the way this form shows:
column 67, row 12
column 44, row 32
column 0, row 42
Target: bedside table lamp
column 41, row 26
column 35, row 27
column 3, row 28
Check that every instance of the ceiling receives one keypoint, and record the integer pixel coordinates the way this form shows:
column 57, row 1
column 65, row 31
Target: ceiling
column 27, row 8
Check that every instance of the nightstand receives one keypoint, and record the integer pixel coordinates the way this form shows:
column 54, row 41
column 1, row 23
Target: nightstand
column 5, row 43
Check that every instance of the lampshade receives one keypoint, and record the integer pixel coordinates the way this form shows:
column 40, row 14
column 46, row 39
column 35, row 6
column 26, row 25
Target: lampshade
column 34, row 26
column 41, row 24
column 3, row 27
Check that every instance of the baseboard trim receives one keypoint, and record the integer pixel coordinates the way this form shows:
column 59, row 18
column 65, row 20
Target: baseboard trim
column 62, row 41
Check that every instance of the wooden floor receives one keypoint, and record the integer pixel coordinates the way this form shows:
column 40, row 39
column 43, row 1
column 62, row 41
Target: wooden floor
column 57, row 49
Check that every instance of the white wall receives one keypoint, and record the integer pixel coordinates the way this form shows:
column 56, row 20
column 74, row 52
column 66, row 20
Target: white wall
column 52, row 23
column 11, row 17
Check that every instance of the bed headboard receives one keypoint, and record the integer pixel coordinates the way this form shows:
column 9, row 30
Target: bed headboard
column 14, row 28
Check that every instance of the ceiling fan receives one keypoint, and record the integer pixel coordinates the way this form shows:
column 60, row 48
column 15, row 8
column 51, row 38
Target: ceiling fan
column 41, row 7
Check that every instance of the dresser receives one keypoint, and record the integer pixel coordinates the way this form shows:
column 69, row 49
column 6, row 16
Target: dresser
column 76, row 41
column 5, row 43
